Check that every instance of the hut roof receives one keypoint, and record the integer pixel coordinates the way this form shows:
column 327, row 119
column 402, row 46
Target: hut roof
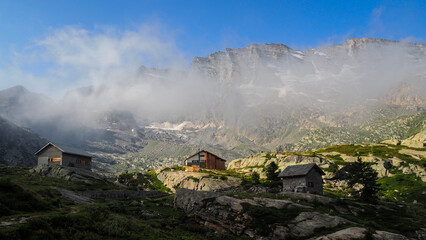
column 299, row 170
column 206, row 152
column 65, row 149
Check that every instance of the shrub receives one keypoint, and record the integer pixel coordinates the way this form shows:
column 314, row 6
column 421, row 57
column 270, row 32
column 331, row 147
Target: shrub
column 269, row 156
column 194, row 179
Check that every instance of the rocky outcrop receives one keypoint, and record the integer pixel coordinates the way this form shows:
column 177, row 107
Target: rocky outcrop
column 312, row 198
column 347, row 233
column 360, row 233
column 67, row 173
column 417, row 141
column 382, row 235
column 255, row 217
column 261, row 160
column 257, row 163
column 305, row 224
column 196, row 181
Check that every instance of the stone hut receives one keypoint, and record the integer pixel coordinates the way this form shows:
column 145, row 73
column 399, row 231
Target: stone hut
column 205, row 159
column 303, row 178
column 52, row 154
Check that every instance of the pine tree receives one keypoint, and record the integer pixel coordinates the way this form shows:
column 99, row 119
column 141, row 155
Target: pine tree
column 255, row 178
column 271, row 172
column 362, row 173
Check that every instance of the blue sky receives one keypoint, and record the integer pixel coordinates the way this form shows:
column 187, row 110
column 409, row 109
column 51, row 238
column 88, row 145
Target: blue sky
column 201, row 27
column 198, row 28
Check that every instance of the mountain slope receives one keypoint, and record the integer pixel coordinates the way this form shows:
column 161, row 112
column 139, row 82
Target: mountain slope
column 18, row 145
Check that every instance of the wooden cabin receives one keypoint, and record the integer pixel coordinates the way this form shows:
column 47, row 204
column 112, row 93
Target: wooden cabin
column 204, row 159
column 302, row 178
column 52, row 154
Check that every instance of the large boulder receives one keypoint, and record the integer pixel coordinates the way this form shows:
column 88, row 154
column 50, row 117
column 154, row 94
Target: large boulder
column 382, row 235
column 345, row 234
column 307, row 222
column 196, row 181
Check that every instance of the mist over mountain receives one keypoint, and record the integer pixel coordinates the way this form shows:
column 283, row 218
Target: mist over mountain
column 236, row 101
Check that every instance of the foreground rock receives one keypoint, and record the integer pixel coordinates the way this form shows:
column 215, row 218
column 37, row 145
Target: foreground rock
column 382, row 235
column 257, row 217
column 307, row 222
column 67, row 173
column 348, row 233
column 196, row 181
column 361, row 233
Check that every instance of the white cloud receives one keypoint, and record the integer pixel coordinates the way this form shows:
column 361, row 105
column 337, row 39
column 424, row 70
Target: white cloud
column 73, row 56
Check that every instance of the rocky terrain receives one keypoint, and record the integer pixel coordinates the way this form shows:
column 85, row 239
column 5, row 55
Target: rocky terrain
column 200, row 181
column 332, row 156
column 401, row 167
column 287, row 217
column 169, row 203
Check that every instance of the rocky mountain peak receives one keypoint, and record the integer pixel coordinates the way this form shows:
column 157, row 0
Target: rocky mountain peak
column 14, row 91
column 253, row 50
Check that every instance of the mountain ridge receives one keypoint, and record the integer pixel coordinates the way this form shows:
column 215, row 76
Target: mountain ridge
column 237, row 102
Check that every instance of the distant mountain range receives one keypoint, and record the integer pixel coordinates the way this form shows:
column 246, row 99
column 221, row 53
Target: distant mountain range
column 237, row 102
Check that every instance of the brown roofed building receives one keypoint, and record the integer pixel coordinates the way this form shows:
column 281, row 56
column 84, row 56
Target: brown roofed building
column 205, row 159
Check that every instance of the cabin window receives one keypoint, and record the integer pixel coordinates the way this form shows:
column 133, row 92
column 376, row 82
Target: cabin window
column 310, row 184
column 54, row 159
column 82, row 162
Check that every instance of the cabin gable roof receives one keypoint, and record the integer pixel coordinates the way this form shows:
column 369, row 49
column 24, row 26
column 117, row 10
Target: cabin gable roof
column 65, row 149
column 208, row 153
column 299, row 170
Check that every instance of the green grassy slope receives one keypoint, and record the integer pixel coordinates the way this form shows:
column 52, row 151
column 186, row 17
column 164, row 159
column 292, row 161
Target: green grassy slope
column 31, row 209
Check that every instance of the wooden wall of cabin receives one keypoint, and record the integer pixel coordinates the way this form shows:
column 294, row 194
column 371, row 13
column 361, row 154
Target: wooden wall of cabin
column 49, row 152
column 77, row 161
column 214, row 162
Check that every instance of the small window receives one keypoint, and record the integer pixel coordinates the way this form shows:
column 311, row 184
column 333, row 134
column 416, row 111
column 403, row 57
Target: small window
column 54, row 159
column 310, row 184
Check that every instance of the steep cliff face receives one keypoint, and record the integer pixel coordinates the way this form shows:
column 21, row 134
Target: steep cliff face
column 236, row 63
